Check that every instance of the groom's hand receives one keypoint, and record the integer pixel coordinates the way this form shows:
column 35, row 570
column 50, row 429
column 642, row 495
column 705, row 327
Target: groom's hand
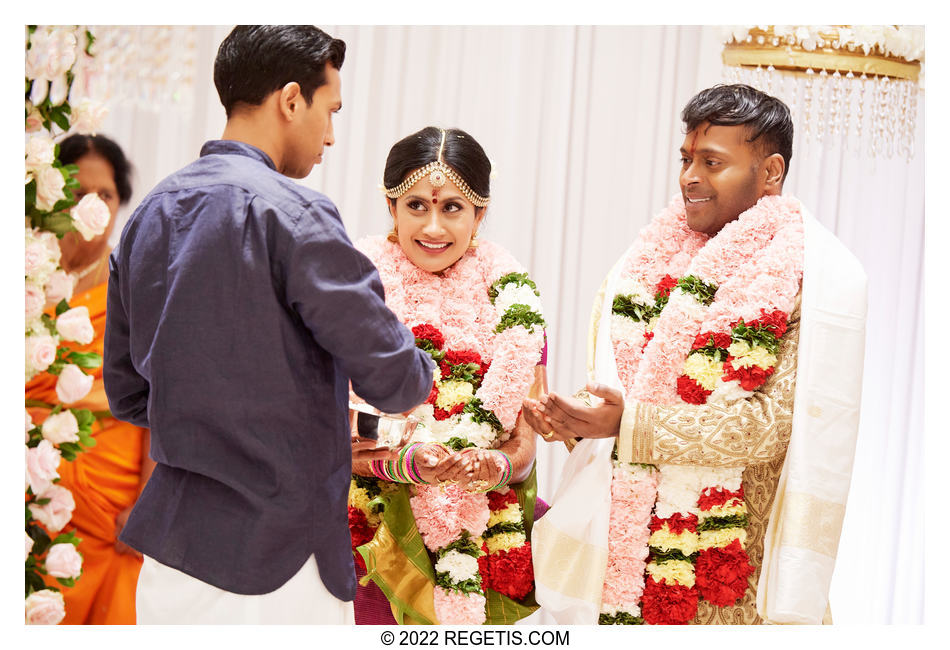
column 567, row 417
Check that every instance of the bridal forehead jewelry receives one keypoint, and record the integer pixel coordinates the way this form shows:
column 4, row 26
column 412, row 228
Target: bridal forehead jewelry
column 438, row 173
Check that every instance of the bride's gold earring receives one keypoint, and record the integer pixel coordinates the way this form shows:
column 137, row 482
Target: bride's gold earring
column 473, row 242
column 393, row 235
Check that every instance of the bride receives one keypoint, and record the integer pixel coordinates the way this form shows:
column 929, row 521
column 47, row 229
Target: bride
column 442, row 521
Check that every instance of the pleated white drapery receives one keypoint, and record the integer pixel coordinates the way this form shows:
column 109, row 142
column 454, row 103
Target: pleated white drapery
column 582, row 124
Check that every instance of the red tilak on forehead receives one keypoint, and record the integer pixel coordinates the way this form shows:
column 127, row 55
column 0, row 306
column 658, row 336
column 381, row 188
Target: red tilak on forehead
column 435, row 196
column 692, row 146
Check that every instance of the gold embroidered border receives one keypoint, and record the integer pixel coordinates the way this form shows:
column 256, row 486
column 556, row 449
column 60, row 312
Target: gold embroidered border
column 565, row 563
column 811, row 523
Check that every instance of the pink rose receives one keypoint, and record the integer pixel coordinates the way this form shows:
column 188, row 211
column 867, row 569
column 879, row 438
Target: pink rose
column 35, row 301
column 57, row 513
column 45, row 607
column 63, row 426
column 40, row 152
column 40, row 352
column 73, row 384
column 41, row 464
column 49, row 187
column 29, row 546
column 74, row 325
column 34, row 121
column 63, row 561
column 59, row 287
column 90, row 216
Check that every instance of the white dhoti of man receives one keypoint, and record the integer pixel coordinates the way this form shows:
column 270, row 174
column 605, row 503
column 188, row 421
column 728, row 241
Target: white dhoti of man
column 166, row 596
column 570, row 541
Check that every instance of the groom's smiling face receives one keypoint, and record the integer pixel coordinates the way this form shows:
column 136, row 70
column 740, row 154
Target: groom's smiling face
column 721, row 177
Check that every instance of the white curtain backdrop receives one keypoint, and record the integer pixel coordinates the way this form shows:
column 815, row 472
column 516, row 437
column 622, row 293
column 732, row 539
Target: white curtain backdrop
column 582, row 124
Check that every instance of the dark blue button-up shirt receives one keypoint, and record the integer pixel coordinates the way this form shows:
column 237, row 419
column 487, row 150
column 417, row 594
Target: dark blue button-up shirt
column 238, row 311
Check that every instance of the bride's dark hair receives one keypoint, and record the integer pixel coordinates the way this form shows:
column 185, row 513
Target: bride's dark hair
column 462, row 153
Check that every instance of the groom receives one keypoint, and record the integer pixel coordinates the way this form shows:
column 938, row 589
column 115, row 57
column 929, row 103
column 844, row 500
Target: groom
column 752, row 428
column 238, row 313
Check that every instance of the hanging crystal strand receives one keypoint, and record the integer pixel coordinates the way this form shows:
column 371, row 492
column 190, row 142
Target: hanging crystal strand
column 807, row 102
column 862, row 102
column 835, row 106
column 849, row 108
column 820, row 110
column 770, row 79
column 879, row 134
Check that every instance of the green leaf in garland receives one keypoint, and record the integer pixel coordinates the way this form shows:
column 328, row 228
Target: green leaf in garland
column 368, row 484
column 457, row 444
column 87, row 360
column 704, row 292
column 41, row 540
column 59, row 223
column 34, row 582
column 625, row 306
column 470, row 586
column 90, row 39
column 520, row 315
column 61, row 307
column 67, row 582
column 718, row 523
column 505, row 527
column 31, row 194
column 620, row 618
column 464, row 544
column 84, row 417
column 481, row 415
column 60, row 118
column 755, row 336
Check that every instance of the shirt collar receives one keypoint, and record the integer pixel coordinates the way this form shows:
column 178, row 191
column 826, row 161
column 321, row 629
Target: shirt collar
column 237, row 148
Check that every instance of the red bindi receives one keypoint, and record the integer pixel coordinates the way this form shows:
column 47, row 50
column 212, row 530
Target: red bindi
column 435, row 197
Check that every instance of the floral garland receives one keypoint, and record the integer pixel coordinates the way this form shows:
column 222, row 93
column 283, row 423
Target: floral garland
column 478, row 539
column 52, row 211
column 697, row 320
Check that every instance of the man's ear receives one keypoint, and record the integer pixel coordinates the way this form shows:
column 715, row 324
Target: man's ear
column 774, row 169
column 289, row 99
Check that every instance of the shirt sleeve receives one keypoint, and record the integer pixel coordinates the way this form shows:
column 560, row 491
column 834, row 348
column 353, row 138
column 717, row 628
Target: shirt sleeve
column 745, row 432
column 337, row 293
column 126, row 389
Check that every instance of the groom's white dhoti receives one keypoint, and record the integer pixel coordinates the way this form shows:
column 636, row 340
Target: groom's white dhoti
column 167, row 596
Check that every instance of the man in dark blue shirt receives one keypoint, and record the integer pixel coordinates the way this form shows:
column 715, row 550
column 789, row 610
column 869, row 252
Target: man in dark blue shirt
column 238, row 313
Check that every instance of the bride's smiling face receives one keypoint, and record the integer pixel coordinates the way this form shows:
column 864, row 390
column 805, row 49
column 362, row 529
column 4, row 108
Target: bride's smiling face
column 434, row 224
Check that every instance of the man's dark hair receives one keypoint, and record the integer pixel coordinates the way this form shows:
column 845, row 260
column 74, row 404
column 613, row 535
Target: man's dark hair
column 76, row 146
column 255, row 60
column 767, row 119
column 462, row 153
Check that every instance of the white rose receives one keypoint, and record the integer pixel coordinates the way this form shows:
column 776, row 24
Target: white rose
column 57, row 513
column 87, row 116
column 59, row 287
column 74, row 325
column 38, row 263
column 73, row 384
column 29, row 546
column 45, row 607
column 34, row 121
column 40, row 152
column 91, row 216
column 51, row 242
column 35, row 301
column 41, row 464
column 61, row 427
column 63, row 561
column 40, row 352
column 49, row 187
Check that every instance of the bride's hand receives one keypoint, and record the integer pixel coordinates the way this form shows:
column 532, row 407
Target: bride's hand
column 427, row 459
column 472, row 468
